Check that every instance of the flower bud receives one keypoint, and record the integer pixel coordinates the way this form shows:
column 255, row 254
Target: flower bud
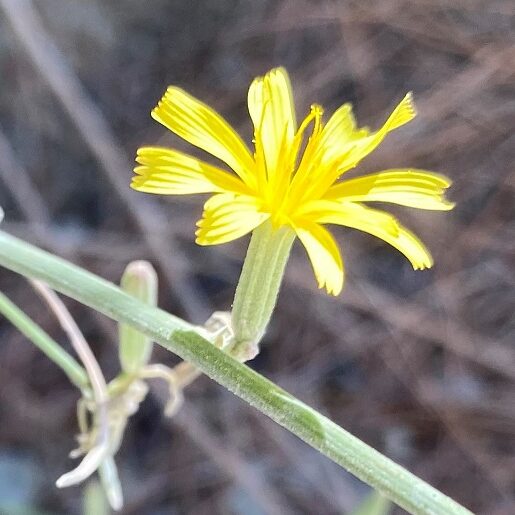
column 140, row 280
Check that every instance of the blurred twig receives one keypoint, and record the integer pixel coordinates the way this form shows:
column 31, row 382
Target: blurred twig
column 17, row 179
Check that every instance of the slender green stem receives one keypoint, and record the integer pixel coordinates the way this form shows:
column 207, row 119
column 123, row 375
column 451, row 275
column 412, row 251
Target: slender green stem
column 260, row 280
column 44, row 342
column 174, row 334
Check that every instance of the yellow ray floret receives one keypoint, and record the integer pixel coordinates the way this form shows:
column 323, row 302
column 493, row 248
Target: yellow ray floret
column 171, row 172
column 293, row 176
column 227, row 216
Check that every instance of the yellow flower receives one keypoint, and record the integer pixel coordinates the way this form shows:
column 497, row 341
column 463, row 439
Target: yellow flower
column 286, row 180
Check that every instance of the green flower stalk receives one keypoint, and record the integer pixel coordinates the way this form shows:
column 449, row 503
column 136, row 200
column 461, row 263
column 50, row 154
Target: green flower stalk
column 258, row 287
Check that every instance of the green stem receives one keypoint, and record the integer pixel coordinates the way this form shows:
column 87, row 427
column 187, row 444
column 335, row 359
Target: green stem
column 44, row 342
column 260, row 280
column 94, row 500
column 178, row 336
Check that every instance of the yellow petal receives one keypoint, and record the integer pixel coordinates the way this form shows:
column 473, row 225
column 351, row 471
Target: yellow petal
column 342, row 145
column 401, row 115
column 324, row 255
column 378, row 223
column 349, row 214
column 272, row 111
column 201, row 126
column 171, row 172
column 408, row 244
column 339, row 134
column 227, row 217
column 407, row 187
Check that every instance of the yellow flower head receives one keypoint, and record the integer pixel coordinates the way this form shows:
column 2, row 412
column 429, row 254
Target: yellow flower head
column 286, row 180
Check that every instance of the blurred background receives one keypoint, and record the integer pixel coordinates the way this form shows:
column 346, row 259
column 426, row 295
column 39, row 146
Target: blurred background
column 421, row 365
